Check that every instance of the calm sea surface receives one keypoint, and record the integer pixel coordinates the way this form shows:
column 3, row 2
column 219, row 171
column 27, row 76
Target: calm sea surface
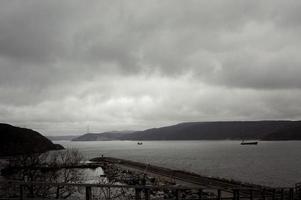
column 268, row 163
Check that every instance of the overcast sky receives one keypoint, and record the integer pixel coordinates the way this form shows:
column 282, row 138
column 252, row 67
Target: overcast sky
column 131, row 65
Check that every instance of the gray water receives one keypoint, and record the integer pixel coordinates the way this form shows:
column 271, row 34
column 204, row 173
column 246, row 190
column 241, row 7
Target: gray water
column 268, row 163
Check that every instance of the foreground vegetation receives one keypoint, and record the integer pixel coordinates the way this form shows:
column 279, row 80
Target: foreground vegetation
column 53, row 167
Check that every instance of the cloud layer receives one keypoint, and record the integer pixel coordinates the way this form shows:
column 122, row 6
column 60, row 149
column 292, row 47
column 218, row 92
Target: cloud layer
column 66, row 65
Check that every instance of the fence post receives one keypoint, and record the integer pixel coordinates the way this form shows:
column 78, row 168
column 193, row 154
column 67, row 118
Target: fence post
column 235, row 194
column 282, row 194
column 147, row 194
column 21, row 192
column 219, row 194
column 88, row 193
column 109, row 193
column 177, row 194
column 291, row 194
column 251, row 194
column 137, row 194
column 274, row 194
column 57, row 192
column 200, row 194
column 263, row 194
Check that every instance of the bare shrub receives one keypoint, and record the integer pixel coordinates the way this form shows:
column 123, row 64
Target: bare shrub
column 54, row 167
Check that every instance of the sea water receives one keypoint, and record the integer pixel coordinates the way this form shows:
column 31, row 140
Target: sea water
column 268, row 163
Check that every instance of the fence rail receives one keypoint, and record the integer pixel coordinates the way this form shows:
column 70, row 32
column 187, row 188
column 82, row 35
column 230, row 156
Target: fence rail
column 24, row 190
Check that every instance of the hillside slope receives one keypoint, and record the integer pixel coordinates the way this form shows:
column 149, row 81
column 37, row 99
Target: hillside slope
column 290, row 133
column 62, row 137
column 15, row 140
column 234, row 130
column 114, row 135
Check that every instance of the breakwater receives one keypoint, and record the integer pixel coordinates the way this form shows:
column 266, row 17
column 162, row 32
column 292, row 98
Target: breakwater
column 183, row 176
column 218, row 187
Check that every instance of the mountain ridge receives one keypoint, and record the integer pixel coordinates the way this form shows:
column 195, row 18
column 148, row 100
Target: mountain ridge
column 105, row 136
column 216, row 130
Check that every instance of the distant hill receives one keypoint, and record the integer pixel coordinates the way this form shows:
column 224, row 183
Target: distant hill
column 62, row 137
column 232, row 130
column 15, row 140
column 114, row 135
column 290, row 133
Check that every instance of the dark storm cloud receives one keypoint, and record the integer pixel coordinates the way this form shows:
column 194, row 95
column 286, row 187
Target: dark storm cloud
column 33, row 30
column 138, row 64
column 136, row 36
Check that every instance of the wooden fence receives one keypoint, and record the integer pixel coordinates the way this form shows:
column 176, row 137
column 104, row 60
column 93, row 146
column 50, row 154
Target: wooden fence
column 144, row 192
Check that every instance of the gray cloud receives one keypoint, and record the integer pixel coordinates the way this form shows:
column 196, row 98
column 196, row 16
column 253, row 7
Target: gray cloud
column 138, row 64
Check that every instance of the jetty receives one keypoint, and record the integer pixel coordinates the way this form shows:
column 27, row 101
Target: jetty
column 218, row 187
column 184, row 177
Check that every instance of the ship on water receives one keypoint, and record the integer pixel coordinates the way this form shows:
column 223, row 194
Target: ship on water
column 248, row 142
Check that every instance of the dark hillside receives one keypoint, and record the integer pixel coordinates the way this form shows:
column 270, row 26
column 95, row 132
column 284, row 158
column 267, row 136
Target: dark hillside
column 234, row 130
column 290, row 133
column 105, row 136
column 15, row 140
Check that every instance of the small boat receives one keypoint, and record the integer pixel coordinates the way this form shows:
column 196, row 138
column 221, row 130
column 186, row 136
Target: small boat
column 248, row 143
column 139, row 143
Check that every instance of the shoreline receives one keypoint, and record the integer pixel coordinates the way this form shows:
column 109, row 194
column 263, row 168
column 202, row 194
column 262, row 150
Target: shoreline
column 185, row 177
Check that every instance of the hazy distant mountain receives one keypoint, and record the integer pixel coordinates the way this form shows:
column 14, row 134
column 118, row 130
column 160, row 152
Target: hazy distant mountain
column 290, row 133
column 62, row 137
column 15, row 140
column 234, row 130
column 113, row 135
